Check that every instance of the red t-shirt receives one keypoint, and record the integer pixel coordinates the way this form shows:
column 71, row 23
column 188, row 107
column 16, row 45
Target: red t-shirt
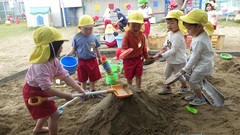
column 138, row 43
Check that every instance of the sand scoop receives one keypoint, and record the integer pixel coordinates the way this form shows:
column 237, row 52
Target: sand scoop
column 120, row 91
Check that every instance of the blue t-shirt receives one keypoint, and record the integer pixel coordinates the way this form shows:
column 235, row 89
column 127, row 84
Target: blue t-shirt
column 124, row 20
column 85, row 46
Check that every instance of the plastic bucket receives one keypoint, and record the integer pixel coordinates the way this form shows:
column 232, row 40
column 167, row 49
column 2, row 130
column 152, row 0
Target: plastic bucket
column 114, row 68
column 119, row 40
column 112, row 78
column 69, row 63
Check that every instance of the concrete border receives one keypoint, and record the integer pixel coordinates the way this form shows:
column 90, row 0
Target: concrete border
column 13, row 76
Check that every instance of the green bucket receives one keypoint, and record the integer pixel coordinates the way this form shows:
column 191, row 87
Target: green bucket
column 112, row 79
column 114, row 68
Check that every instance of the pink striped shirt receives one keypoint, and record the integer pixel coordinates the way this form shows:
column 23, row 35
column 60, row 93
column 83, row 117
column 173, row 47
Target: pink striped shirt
column 41, row 75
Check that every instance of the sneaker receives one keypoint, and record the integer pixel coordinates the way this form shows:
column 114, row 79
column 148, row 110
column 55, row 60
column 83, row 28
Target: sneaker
column 165, row 91
column 144, row 68
column 84, row 98
column 183, row 90
column 190, row 97
column 96, row 95
column 198, row 101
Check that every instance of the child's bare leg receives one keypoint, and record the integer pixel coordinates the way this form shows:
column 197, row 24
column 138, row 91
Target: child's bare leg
column 184, row 84
column 129, row 82
column 198, row 93
column 138, row 81
column 84, row 85
column 53, row 123
column 39, row 126
column 92, row 86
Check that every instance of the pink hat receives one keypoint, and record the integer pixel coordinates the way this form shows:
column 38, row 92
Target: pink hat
column 128, row 6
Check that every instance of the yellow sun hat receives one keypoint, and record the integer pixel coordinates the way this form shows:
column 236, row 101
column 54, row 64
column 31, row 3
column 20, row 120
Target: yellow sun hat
column 176, row 14
column 109, row 29
column 198, row 16
column 42, row 37
column 135, row 17
column 86, row 21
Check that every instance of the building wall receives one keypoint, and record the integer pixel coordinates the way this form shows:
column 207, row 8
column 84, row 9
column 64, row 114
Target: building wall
column 91, row 6
column 56, row 15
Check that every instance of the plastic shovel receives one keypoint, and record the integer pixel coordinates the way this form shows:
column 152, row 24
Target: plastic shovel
column 120, row 90
column 173, row 78
column 60, row 109
column 191, row 109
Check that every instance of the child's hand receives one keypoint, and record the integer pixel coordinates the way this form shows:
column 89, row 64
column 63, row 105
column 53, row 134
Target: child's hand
column 69, row 97
column 182, row 71
column 99, row 61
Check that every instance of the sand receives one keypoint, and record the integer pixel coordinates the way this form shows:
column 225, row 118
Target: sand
column 145, row 112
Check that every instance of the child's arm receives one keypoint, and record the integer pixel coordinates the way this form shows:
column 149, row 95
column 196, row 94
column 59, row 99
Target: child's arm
column 194, row 58
column 69, row 81
column 184, row 3
column 99, row 56
column 59, row 93
column 145, row 49
column 72, row 51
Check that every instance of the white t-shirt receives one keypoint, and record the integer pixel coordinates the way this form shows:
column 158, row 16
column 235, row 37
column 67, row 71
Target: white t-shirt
column 146, row 11
column 201, row 58
column 107, row 16
column 109, row 37
column 212, row 16
column 176, row 53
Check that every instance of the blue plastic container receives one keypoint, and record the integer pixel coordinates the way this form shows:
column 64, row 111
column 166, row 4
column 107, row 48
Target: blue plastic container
column 69, row 63
column 119, row 40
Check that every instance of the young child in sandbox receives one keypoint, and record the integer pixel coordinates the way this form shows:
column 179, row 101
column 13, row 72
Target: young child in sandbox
column 86, row 46
column 45, row 67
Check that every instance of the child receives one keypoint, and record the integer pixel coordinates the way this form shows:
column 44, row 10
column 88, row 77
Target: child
column 85, row 45
column 129, row 8
column 134, row 38
column 122, row 20
column 109, row 36
column 189, row 7
column 200, row 63
column 147, row 14
column 107, row 17
column 174, row 51
column 45, row 66
column 212, row 14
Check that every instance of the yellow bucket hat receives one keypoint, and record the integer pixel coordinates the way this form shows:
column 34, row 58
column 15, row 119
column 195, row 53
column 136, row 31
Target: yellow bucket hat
column 109, row 29
column 42, row 37
column 136, row 17
column 198, row 16
column 86, row 21
column 176, row 14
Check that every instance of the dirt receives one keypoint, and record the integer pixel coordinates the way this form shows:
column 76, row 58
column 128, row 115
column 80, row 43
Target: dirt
column 144, row 113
